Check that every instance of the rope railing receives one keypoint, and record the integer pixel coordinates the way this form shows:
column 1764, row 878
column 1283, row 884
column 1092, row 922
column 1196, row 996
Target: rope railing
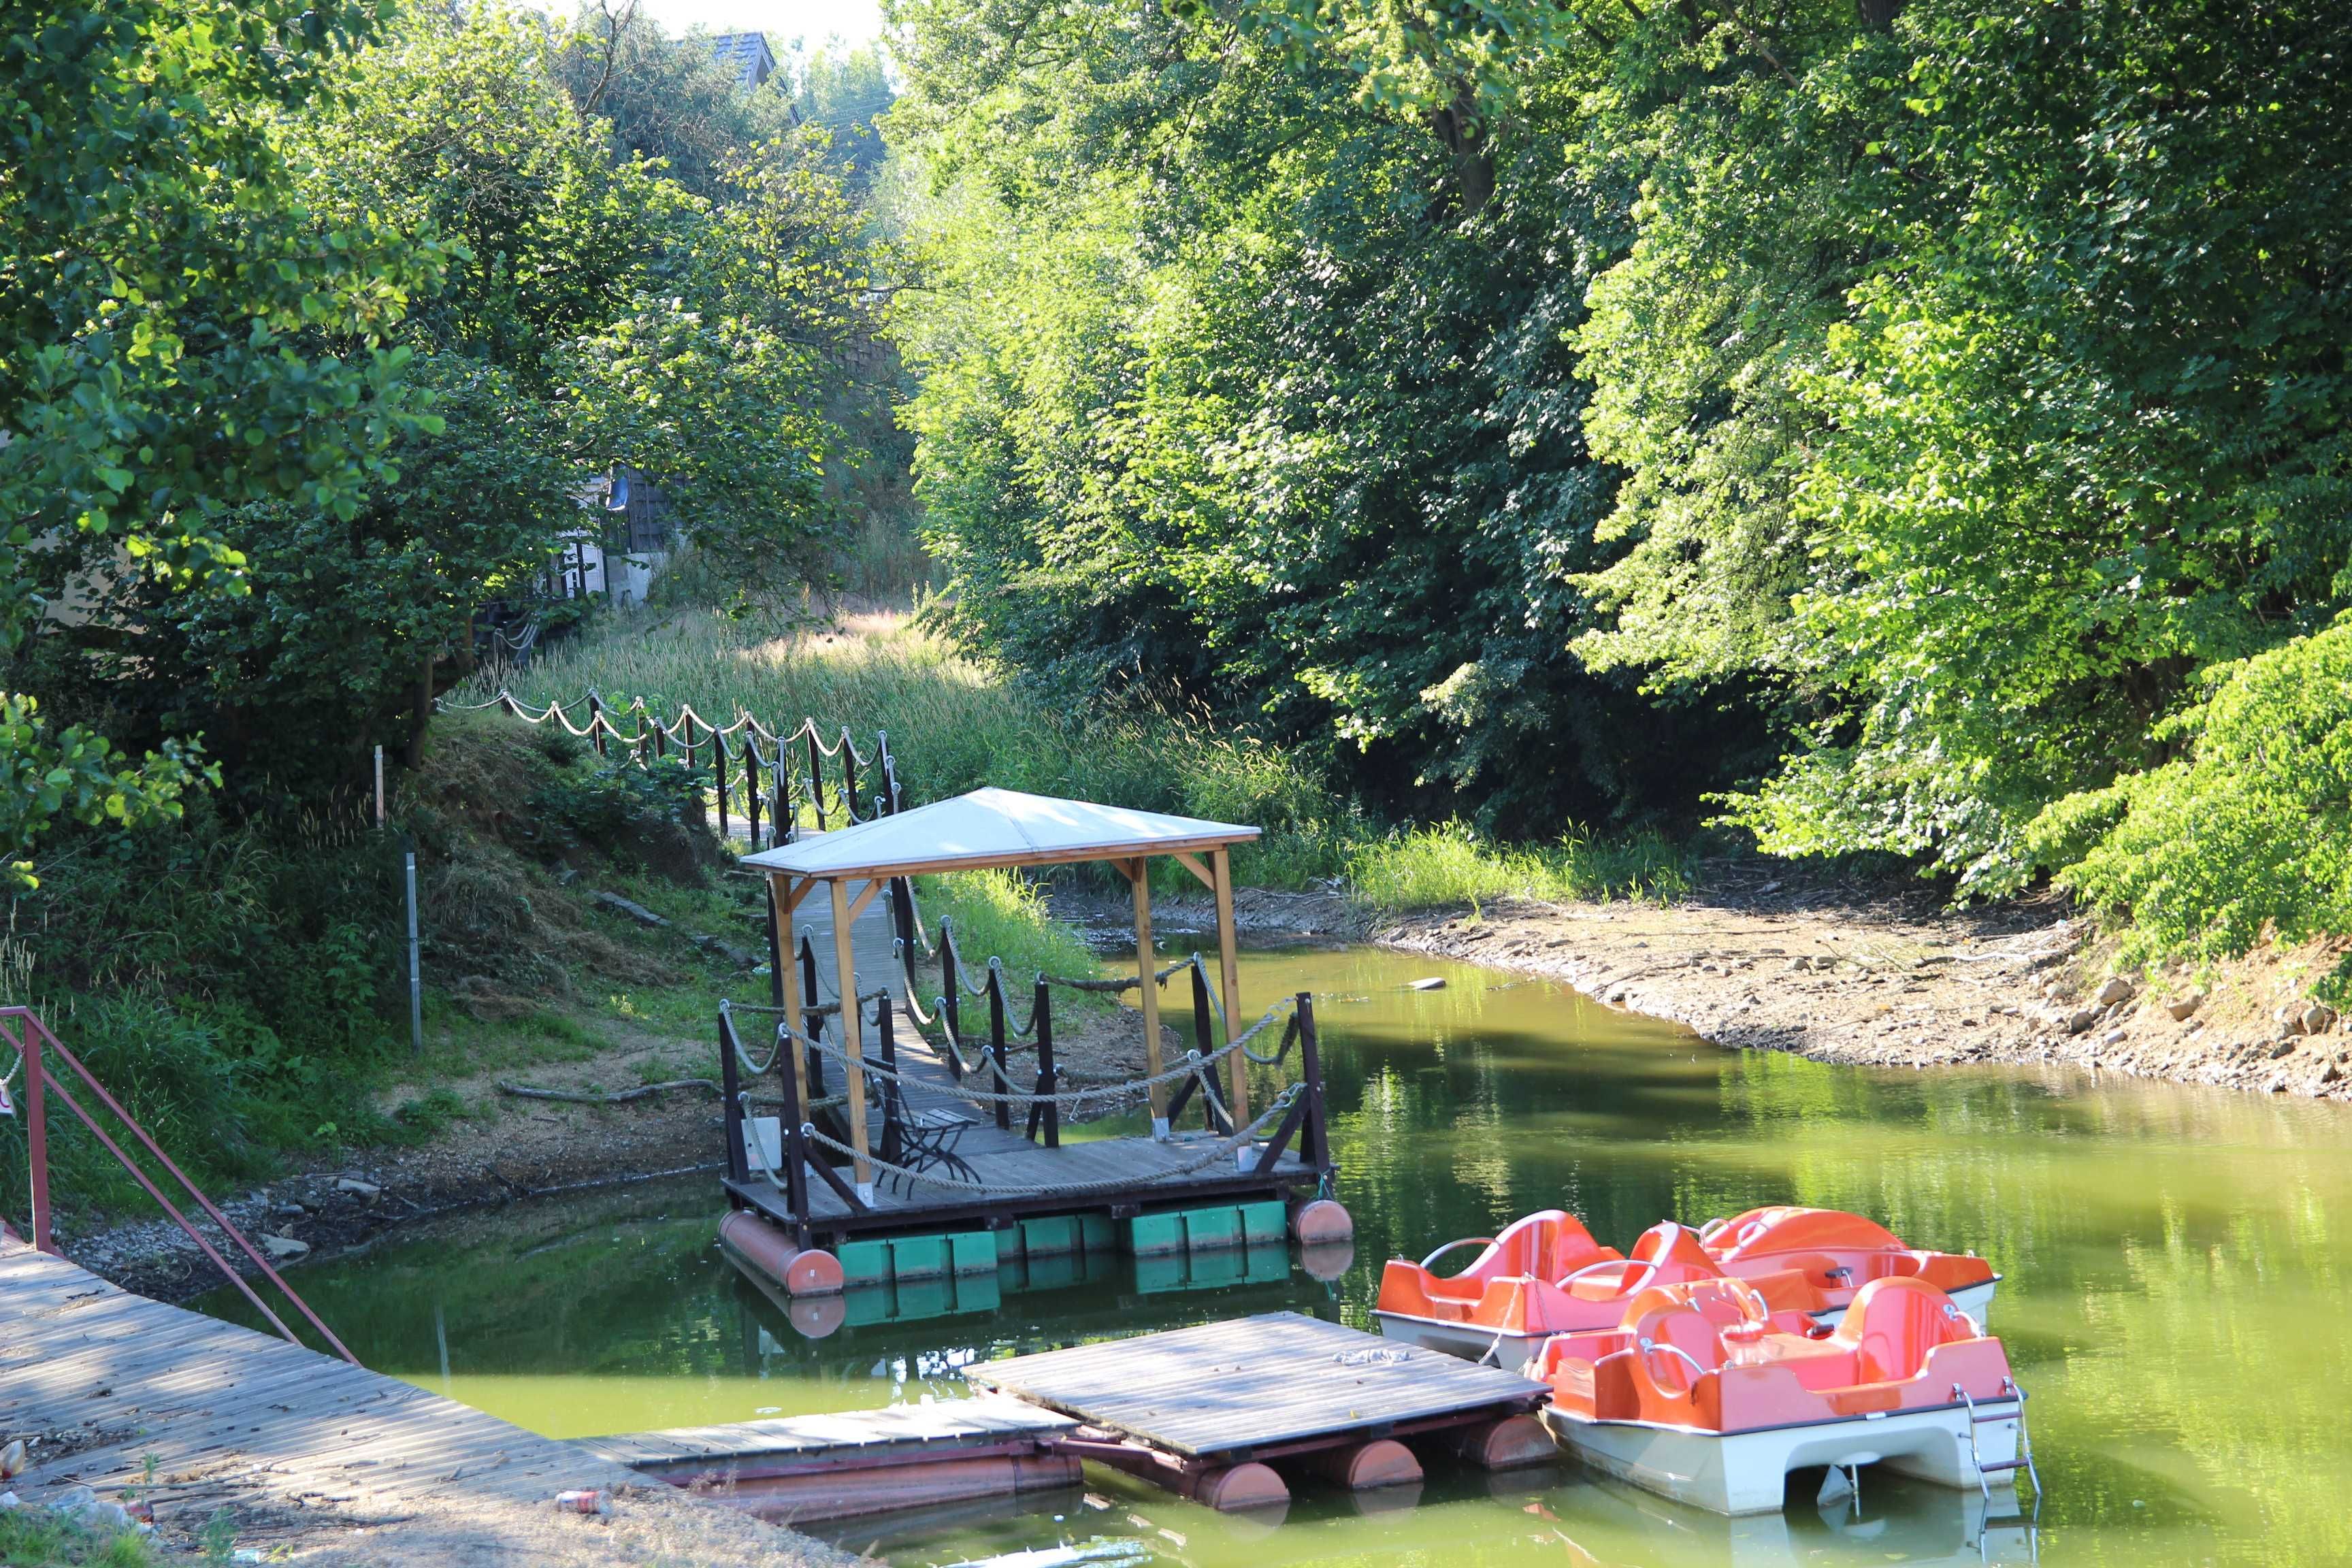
column 1223, row 1149
column 789, row 783
column 1193, row 1063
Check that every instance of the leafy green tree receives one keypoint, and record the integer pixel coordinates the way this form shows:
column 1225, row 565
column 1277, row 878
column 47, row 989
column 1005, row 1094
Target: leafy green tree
column 179, row 336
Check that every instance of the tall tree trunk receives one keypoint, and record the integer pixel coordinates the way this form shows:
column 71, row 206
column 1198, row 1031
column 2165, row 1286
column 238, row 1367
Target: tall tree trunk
column 1456, row 125
column 1878, row 16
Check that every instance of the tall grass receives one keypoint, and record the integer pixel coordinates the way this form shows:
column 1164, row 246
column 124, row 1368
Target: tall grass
column 1447, row 864
column 954, row 725
column 997, row 914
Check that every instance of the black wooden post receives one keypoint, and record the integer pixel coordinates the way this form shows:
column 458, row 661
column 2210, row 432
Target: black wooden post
column 596, row 725
column 731, row 1089
column 797, row 1148
column 886, row 1049
column 779, row 811
column 848, row 775
column 902, row 926
column 952, row 999
column 719, row 766
column 811, row 1021
column 999, row 1082
column 751, row 782
column 661, row 736
column 1212, row 1106
column 686, row 728
column 775, row 953
column 1314, row 1141
column 816, row 778
column 1044, row 1111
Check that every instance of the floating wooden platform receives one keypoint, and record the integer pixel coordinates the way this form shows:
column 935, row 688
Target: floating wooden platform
column 1203, row 1409
column 1119, row 1176
column 200, row 1415
column 809, row 1468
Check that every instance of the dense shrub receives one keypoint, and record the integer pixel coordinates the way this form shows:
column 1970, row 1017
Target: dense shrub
column 2250, row 833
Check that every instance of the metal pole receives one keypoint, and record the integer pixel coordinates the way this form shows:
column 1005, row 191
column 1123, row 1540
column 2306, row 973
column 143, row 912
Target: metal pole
column 378, row 786
column 416, row 971
column 37, row 1137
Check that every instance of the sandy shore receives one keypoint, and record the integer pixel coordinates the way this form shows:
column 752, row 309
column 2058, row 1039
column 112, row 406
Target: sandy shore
column 1902, row 983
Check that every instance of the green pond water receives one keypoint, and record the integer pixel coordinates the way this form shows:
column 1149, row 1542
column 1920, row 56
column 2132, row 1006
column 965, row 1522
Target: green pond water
column 2174, row 1295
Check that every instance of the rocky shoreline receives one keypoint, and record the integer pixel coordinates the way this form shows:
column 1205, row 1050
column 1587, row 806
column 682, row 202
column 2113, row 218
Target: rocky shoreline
column 1895, row 984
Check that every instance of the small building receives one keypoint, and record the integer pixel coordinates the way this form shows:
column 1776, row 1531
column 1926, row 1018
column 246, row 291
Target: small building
column 617, row 554
column 748, row 56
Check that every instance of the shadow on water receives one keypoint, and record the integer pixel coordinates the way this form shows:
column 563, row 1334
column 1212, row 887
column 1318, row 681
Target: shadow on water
column 2172, row 1291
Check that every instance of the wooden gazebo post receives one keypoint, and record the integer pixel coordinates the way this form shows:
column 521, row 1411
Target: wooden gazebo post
column 1220, row 869
column 1139, row 871
column 844, row 963
column 785, row 892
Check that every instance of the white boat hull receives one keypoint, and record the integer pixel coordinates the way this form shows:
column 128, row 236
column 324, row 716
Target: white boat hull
column 1513, row 1352
column 1510, row 1352
column 1747, row 1472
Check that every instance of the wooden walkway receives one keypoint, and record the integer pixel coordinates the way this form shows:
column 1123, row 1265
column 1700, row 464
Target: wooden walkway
column 1255, row 1387
column 118, row 1392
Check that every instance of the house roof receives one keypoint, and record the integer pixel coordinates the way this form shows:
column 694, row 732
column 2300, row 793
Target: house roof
column 748, row 54
column 992, row 828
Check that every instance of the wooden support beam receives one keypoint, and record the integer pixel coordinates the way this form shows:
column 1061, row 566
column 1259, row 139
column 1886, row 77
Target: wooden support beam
column 1193, row 863
column 1221, row 863
column 787, row 892
column 846, row 984
column 1137, row 872
column 858, row 905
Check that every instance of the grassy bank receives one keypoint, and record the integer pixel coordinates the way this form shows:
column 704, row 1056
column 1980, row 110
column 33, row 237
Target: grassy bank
column 955, row 724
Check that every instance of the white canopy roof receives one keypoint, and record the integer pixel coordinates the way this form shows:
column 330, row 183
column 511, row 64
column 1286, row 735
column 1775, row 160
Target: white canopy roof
column 994, row 828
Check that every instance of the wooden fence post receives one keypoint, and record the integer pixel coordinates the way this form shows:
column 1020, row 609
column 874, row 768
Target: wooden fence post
column 1046, row 1111
column 811, row 1021
column 731, row 1089
column 999, row 1081
column 952, row 999
column 1314, row 1141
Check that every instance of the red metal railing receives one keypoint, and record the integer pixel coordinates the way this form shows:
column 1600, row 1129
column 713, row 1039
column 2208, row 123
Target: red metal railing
column 22, row 1028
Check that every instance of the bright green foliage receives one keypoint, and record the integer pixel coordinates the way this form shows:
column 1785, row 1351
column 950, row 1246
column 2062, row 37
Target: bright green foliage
column 78, row 776
column 593, row 310
column 2083, row 428
column 1926, row 390
column 179, row 334
column 1226, row 396
column 664, row 99
column 1448, row 865
column 2250, row 833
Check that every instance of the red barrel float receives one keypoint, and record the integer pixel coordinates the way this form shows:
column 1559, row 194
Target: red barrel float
column 755, row 1245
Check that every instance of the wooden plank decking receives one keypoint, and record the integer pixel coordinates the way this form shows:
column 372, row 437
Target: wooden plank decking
column 201, row 1415
column 897, row 1430
column 1255, row 1385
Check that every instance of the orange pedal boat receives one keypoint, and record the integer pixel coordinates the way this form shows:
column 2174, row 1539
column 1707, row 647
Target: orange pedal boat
column 1545, row 1274
column 1839, row 1253
column 1701, row 1393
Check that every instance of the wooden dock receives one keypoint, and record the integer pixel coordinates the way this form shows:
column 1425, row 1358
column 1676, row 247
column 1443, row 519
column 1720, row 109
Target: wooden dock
column 1206, row 1410
column 1116, row 1175
column 804, row 1468
column 124, row 1395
